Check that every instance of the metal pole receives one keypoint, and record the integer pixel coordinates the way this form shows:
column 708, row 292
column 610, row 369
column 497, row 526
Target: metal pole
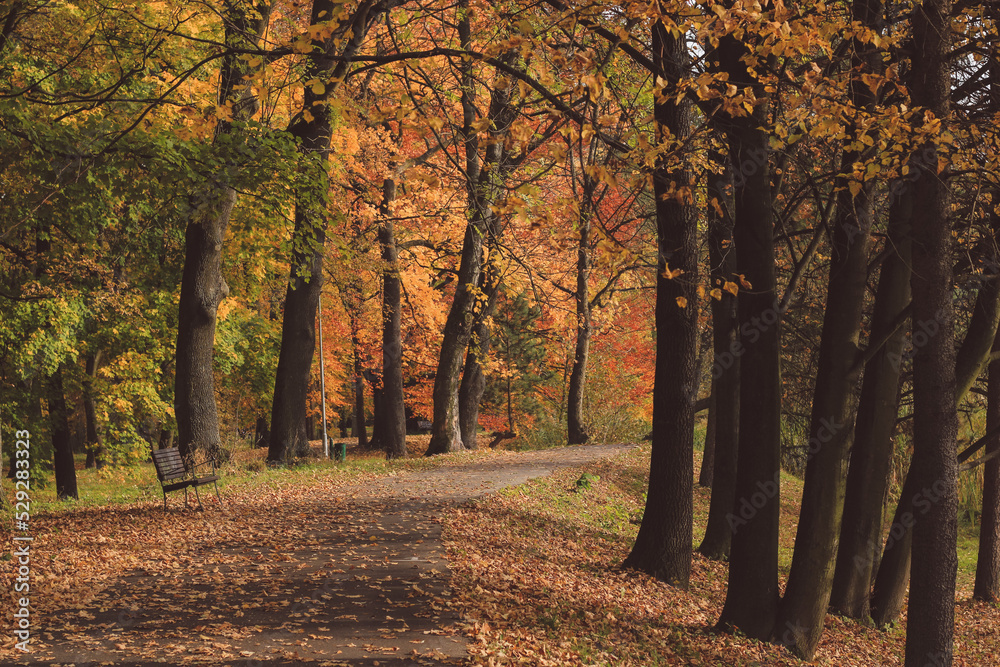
column 322, row 377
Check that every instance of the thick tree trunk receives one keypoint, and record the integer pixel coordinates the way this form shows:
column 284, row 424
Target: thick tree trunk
column 807, row 594
column 298, row 330
column 62, row 451
column 931, row 608
column 752, row 597
column 202, row 289
column 95, row 448
column 987, row 585
column 663, row 545
column 725, row 368
column 577, row 433
column 871, row 454
column 392, row 410
column 202, row 284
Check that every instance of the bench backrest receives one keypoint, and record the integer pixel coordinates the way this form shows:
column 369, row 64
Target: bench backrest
column 169, row 464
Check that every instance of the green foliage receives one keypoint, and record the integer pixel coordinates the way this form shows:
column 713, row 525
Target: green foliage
column 586, row 481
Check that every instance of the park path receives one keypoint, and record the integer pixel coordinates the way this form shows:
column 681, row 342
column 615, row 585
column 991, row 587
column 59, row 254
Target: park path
column 361, row 580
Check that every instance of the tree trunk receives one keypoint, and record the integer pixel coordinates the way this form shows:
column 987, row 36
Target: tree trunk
column 95, row 448
column 360, row 428
column 663, row 545
column 807, row 594
column 987, row 585
column 62, row 451
column 725, row 367
column 392, row 410
column 261, row 432
column 931, row 608
column 484, row 182
column 202, row 284
column 298, row 330
column 708, row 446
column 377, row 440
column 752, row 597
column 470, row 392
column 577, row 433
column 871, row 454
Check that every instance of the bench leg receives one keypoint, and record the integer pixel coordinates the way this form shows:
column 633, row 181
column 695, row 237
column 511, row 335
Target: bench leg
column 216, row 485
column 198, row 496
column 164, row 501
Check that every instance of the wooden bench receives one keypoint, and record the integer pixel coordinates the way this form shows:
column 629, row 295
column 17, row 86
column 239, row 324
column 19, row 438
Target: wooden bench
column 175, row 474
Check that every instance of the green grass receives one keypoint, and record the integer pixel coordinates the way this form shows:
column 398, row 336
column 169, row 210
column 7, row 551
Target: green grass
column 115, row 486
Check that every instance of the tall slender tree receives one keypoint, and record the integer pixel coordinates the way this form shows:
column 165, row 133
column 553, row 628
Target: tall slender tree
column 931, row 609
column 663, row 545
column 752, row 597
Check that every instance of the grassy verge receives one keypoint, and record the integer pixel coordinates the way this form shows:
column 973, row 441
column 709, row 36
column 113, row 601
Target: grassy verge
column 536, row 570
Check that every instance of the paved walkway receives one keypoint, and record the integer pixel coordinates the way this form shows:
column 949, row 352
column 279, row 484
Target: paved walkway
column 364, row 581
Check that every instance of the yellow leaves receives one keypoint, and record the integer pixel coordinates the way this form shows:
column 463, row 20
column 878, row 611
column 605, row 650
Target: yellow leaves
column 682, row 302
column 594, row 84
column 316, row 86
column 716, row 294
column 731, row 287
column 671, row 274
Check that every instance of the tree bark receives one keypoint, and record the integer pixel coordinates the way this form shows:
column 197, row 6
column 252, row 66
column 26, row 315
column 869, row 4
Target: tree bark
column 725, row 367
column 360, row 427
column 871, row 454
column 313, row 131
column 470, row 392
column 95, row 448
column 663, row 545
column 392, row 410
column 62, row 451
column 708, row 446
column 987, row 584
column 202, row 284
column 261, row 432
column 931, row 608
column 577, row 432
column 752, row 597
column 484, row 180
column 807, row 594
